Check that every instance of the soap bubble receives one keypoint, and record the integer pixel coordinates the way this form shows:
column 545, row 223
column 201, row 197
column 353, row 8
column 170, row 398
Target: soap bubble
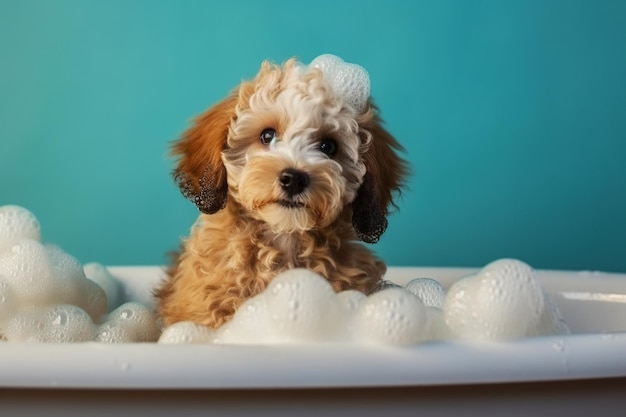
column 551, row 321
column 349, row 81
column 301, row 305
column 50, row 324
column 187, row 332
column 503, row 301
column 91, row 298
column 350, row 300
column 250, row 325
column 392, row 316
column 27, row 269
column 457, row 307
column 7, row 304
column 46, row 297
column 69, row 323
column 436, row 328
column 136, row 320
column 17, row 223
column 45, row 275
column 429, row 291
column 113, row 332
column 99, row 274
column 131, row 322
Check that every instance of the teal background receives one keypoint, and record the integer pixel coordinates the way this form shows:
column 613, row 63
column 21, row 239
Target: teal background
column 513, row 115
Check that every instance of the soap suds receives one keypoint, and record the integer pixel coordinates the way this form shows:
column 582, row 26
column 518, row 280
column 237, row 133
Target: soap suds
column 349, row 81
column 46, row 295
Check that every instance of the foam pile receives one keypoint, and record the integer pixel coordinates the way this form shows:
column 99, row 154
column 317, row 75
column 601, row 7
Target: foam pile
column 46, row 295
column 504, row 301
column 349, row 81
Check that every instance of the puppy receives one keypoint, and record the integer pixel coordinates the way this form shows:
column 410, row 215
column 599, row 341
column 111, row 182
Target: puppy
column 289, row 170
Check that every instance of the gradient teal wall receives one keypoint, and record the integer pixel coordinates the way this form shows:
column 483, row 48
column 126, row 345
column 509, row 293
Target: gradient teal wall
column 513, row 114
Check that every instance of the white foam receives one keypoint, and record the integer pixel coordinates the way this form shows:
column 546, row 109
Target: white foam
column 297, row 306
column 17, row 223
column 42, row 275
column 249, row 325
column 187, row 332
column 551, row 321
column 7, row 301
column 300, row 306
column 99, row 274
column 50, row 324
column 46, row 297
column 349, row 81
column 503, row 301
column 429, row 291
column 133, row 321
column 350, row 300
column 436, row 328
column 393, row 316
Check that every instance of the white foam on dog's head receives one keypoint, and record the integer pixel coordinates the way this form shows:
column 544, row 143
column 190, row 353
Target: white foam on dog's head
column 349, row 81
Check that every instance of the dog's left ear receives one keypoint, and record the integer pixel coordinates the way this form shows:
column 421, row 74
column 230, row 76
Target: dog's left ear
column 200, row 172
column 385, row 176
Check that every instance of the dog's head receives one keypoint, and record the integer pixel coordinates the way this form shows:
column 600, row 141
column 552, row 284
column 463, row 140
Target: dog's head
column 296, row 147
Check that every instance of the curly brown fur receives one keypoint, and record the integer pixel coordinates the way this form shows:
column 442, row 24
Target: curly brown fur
column 257, row 220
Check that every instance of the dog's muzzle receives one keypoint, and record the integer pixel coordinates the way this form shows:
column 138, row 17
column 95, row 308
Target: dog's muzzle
column 294, row 182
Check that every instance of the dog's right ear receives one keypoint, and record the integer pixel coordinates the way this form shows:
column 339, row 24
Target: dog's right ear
column 385, row 177
column 200, row 172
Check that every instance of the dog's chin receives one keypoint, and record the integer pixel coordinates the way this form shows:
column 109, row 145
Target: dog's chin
column 290, row 204
column 288, row 216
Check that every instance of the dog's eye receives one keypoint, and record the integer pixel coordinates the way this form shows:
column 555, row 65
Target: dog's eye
column 328, row 146
column 267, row 135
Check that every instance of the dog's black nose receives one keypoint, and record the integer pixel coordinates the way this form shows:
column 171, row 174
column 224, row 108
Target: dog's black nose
column 293, row 181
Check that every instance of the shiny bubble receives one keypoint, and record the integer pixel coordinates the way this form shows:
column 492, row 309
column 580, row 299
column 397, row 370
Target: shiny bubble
column 428, row 290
